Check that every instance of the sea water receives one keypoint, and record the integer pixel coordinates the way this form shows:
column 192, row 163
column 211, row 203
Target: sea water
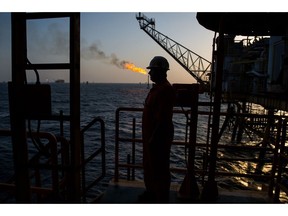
column 102, row 100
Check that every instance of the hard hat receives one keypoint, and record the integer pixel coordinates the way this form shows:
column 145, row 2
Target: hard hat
column 159, row 62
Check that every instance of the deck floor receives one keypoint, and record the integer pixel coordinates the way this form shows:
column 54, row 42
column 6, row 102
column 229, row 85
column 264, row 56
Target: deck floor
column 127, row 192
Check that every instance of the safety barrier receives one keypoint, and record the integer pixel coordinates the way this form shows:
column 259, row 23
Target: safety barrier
column 85, row 161
column 271, row 137
column 57, row 162
column 37, row 164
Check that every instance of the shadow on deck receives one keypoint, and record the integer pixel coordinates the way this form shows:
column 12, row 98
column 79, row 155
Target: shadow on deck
column 127, row 192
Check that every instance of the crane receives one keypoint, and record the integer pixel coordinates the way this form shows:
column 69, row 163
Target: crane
column 194, row 64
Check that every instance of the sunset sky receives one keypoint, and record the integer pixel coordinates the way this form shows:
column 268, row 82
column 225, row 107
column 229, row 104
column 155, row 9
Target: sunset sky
column 109, row 34
column 105, row 37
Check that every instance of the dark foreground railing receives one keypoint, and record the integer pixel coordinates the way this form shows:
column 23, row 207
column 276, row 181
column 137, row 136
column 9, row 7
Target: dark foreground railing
column 269, row 151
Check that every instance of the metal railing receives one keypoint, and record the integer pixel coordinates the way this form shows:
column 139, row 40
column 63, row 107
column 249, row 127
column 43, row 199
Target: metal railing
column 58, row 166
column 274, row 138
column 100, row 151
column 35, row 163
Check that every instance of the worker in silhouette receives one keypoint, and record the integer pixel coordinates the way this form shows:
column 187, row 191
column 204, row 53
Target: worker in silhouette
column 157, row 132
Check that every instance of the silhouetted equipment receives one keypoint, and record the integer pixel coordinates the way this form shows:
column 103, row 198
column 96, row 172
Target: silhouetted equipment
column 187, row 96
column 34, row 100
column 254, row 56
column 228, row 79
column 245, row 23
column 198, row 67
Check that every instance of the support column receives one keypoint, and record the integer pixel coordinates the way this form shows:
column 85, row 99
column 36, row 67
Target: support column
column 210, row 190
column 17, row 119
column 74, row 189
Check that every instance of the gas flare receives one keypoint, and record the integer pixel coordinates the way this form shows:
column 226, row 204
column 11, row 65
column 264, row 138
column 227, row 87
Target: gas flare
column 132, row 67
column 94, row 52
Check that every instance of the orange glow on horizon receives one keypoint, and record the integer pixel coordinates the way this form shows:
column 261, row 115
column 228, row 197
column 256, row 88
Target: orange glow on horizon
column 132, row 67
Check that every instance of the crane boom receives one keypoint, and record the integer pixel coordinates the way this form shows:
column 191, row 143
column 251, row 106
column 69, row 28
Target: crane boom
column 195, row 65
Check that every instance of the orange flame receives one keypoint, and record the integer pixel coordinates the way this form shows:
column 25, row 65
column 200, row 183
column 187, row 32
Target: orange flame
column 133, row 68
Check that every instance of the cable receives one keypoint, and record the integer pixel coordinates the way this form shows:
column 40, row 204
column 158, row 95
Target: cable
column 36, row 73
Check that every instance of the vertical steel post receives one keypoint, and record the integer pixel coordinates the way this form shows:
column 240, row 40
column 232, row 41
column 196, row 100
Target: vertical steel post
column 280, row 163
column 277, row 144
column 103, row 155
column 210, row 190
column 74, row 189
column 17, row 119
column 189, row 188
column 116, row 170
column 133, row 147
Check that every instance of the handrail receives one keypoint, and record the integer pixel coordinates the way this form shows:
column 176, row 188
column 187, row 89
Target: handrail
column 54, row 159
column 275, row 141
column 53, row 166
column 85, row 161
column 117, row 118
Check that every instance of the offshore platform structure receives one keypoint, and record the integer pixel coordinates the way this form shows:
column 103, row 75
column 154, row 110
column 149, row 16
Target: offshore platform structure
column 248, row 75
column 253, row 72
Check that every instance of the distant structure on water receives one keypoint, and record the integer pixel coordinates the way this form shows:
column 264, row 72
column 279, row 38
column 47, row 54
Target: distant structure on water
column 60, row 81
